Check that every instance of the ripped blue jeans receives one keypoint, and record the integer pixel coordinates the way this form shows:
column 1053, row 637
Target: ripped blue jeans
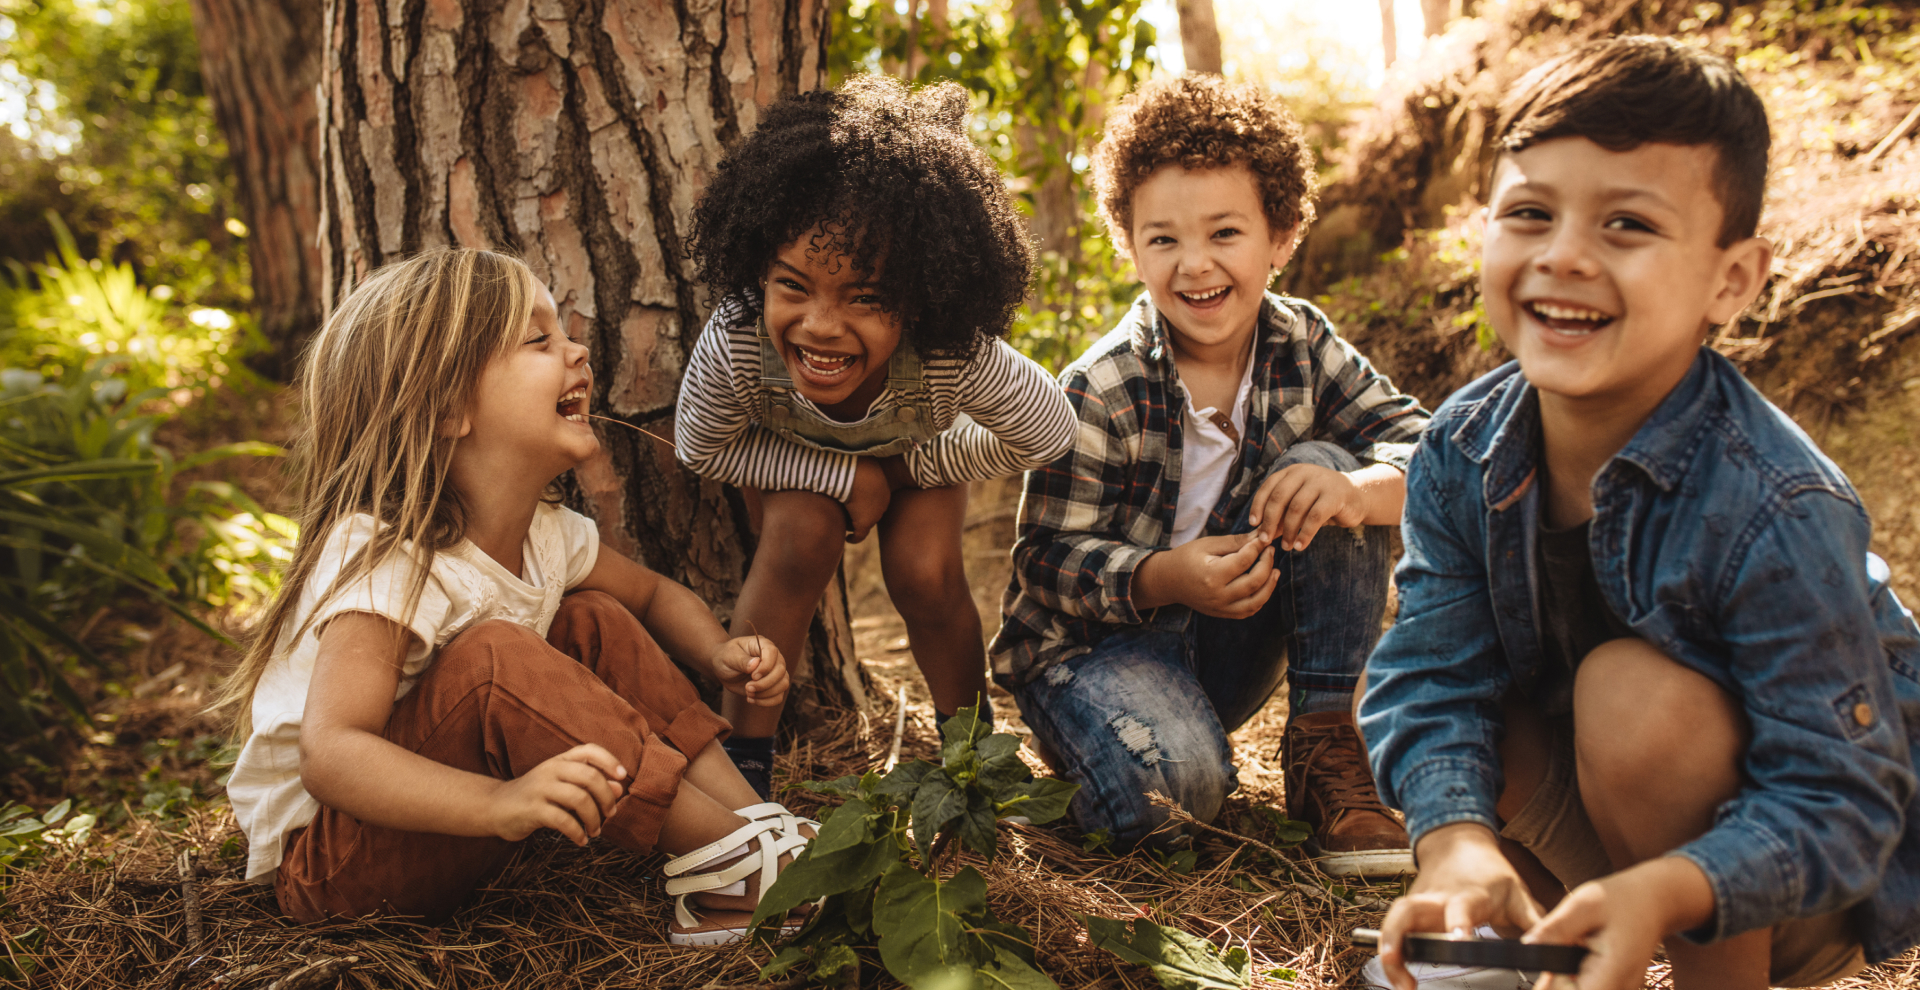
column 1150, row 707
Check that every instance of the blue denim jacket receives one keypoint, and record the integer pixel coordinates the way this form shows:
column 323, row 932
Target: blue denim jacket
column 1724, row 537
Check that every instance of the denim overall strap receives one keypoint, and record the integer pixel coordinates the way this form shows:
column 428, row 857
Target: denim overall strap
column 908, row 424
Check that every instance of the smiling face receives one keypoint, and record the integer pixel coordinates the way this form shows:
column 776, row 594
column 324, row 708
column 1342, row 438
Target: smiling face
column 530, row 404
column 1602, row 269
column 826, row 320
column 1202, row 244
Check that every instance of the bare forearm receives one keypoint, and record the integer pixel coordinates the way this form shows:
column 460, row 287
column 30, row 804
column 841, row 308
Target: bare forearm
column 1383, row 490
column 680, row 622
column 379, row 783
column 1153, row 583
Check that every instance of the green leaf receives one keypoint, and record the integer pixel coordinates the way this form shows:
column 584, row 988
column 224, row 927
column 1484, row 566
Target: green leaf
column 848, row 825
column 1014, row 973
column 1001, row 768
column 1045, row 799
column 57, row 812
column 245, row 448
column 809, row 878
column 979, row 826
column 1097, row 840
column 17, row 961
column 845, row 787
column 938, row 802
column 904, row 781
column 1178, row 960
column 833, row 960
column 924, row 941
column 961, row 734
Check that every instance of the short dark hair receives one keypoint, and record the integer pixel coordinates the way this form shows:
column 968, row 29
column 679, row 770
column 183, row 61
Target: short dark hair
column 1621, row 93
column 1202, row 122
column 901, row 191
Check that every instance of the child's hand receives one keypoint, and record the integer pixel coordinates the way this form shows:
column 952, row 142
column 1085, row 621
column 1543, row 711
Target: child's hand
column 571, row 793
column 872, row 493
column 752, row 667
column 1295, row 501
column 1465, row 881
column 1622, row 919
column 1229, row 577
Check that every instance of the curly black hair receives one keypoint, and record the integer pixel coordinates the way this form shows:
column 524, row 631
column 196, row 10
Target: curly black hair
column 891, row 177
column 1201, row 122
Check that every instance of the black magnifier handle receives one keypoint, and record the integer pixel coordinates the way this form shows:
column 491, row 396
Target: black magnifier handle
column 1500, row 953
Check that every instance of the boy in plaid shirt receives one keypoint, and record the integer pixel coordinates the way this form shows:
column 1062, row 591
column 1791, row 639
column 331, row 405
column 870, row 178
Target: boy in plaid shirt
column 1173, row 564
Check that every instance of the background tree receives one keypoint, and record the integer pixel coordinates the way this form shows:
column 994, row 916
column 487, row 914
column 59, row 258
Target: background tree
column 1199, row 36
column 577, row 134
column 260, row 65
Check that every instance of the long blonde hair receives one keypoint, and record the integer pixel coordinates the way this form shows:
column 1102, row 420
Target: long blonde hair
column 400, row 357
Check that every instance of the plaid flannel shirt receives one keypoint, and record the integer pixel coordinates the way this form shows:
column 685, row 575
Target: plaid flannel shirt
column 1088, row 519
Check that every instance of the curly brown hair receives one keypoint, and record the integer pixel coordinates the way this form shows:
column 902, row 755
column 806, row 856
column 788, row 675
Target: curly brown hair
column 888, row 173
column 1201, row 122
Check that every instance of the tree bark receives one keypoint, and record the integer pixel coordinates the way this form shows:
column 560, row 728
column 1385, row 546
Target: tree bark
column 1389, row 37
column 1436, row 13
column 577, row 134
column 1199, row 36
column 260, row 63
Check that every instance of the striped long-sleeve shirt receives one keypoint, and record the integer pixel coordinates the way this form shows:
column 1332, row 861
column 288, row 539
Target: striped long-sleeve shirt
column 1088, row 519
column 1016, row 417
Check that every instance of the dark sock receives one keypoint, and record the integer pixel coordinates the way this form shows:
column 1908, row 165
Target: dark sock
column 753, row 757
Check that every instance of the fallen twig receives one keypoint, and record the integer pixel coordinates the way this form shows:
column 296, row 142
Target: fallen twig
column 190, row 897
column 899, row 728
column 1181, row 815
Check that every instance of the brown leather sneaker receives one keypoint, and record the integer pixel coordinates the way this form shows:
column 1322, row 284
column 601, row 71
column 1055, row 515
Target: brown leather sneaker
column 1330, row 787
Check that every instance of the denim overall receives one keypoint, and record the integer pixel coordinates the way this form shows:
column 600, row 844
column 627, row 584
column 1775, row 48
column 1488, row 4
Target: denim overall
column 896, row 430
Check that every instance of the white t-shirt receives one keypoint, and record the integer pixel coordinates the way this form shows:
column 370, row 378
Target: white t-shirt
column 464, row 587
column 1207, row 454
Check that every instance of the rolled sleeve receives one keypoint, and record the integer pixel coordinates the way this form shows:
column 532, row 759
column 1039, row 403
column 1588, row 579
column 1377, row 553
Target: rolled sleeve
column 1431, row 712
column 1829, row 769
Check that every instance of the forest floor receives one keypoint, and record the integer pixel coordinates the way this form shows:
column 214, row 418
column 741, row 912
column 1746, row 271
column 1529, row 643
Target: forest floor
column 114, row 912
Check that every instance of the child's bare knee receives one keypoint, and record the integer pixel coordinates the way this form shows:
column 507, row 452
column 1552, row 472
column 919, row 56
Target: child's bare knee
column 804, row 530
column 1640, row 713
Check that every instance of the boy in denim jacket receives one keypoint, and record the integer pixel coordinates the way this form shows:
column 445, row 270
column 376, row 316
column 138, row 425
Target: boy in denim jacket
column 1646, row 684
column 1173, row 563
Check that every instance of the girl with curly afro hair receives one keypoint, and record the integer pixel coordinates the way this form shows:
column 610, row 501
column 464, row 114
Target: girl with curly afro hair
column 867, row 261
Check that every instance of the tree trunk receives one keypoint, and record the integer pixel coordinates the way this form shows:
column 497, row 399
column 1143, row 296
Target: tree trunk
column 260, row 64
column 577, row 134
column 1199, row 36
column 1389, row 38
column 1436, row 13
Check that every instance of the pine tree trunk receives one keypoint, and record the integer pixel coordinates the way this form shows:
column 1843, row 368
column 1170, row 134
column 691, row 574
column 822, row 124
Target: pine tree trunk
column 1199, row 36
column 577, row 134
column 260, row 62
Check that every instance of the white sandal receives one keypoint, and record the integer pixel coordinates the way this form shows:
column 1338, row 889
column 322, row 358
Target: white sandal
column 772, row 840
column 775, row 811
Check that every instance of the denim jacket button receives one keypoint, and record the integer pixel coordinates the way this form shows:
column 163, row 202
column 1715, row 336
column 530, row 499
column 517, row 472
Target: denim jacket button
column 780, row 410
column 1863, row 714
column 907, row 414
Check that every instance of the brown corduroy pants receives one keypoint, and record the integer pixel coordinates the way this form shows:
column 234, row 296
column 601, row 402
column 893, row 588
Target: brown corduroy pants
column 498, row 700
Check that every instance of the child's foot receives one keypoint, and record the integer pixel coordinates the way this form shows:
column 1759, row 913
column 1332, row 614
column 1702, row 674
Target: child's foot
column 753, row 757
column 1330, row 788
column 731, row 875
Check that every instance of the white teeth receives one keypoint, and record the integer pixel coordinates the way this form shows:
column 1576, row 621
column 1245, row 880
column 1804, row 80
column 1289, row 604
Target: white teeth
column 1202, row 296
column 825, row 362
column 1556, row 312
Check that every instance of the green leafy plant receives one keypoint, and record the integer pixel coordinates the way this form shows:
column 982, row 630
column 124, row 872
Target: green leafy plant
column 1178, row 960
column 73, row 312
column 91, row 508
column 876, row 869
column 23, row 835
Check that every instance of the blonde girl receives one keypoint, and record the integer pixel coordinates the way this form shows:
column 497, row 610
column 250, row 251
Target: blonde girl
column 455, row 661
